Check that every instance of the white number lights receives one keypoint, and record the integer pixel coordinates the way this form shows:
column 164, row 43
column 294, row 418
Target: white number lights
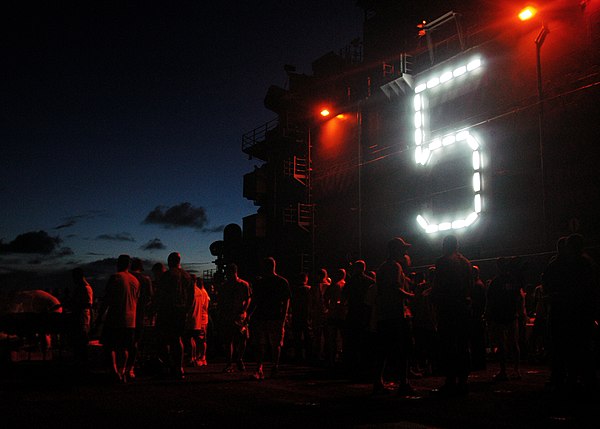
column 426, row 147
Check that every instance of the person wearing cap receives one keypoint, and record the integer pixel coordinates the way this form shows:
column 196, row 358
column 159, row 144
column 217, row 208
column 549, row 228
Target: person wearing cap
column 451, row 295
column 393, row 333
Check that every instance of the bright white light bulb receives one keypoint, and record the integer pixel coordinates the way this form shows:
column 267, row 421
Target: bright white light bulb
column 476, row 160
column 477, row 202
column 445, row 77
column 445, row 226
column 476, row 182
column 418, row 136
column 418, row 120
column 448, row 140
column 417, row 102
column 459, row 71
column 471, row 218
column 418, row 154
column 435, row 144
column 458, row 224
column 432, row 228
column 422, row 222
column 476, row 63
column 432, row 83
column 462, row 135
column 473, row 143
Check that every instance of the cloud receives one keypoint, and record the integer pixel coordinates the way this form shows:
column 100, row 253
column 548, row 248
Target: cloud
column 123, row 236
column 183, row 215
column 32, row 242
column 66, row 224
column 155, row 244
column 219, row 228
column 72, row 220
column 65, row 251
column 11, row 261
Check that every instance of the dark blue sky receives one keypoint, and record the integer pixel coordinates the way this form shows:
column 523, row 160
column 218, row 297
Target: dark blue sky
column 122, row 121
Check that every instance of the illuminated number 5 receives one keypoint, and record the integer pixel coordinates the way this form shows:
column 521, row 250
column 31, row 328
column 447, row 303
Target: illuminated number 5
column 427, row 147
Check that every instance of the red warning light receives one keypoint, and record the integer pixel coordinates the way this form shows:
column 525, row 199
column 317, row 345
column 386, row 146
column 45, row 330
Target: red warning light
column 421, row 28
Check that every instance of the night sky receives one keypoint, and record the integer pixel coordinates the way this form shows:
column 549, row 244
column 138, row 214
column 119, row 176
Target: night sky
column 122, row 122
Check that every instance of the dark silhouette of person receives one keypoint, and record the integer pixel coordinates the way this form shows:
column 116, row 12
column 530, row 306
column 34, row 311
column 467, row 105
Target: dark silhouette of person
column 319, row 314
column 424, row 325
column 301, row 312
column 539, row 341
column 572, row 281
column 120, row 306
column 174, row 301
column 142, row 311
column 233, row 300
column 505, row 308
column 269, row 307
column 358, row 318
column 393, row 328
column 554, row 280
column 81, row 317
column 451, row 294
column 478, row 327
column 336, row 316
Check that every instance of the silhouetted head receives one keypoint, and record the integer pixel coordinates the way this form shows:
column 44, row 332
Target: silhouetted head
column 323, row 275
column 405, row 261
column 174, row 260
column 450, row 244
column 339, row 275
column 431, row 274
column 158, row 269
column 269, row 265
column 77, row 274
column 561, row 245
column 397, row 248
column 231, row 271
column 137, row 265
column 574, row 244
column 302, row 278
column 123, row 262
column 359, row 267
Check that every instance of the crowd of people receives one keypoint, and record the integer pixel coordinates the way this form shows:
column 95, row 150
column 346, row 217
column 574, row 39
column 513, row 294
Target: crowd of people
column 384, row 326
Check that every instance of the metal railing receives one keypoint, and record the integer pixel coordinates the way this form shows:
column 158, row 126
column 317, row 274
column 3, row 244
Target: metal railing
column 258, row 134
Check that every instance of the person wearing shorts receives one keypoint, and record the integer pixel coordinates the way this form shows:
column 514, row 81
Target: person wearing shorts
column 269, row 307
column 119, row 306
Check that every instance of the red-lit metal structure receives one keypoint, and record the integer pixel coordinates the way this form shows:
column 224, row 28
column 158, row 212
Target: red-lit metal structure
column 336, row 188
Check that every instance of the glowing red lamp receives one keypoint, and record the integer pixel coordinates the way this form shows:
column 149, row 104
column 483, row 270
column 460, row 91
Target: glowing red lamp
column 527, row 13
